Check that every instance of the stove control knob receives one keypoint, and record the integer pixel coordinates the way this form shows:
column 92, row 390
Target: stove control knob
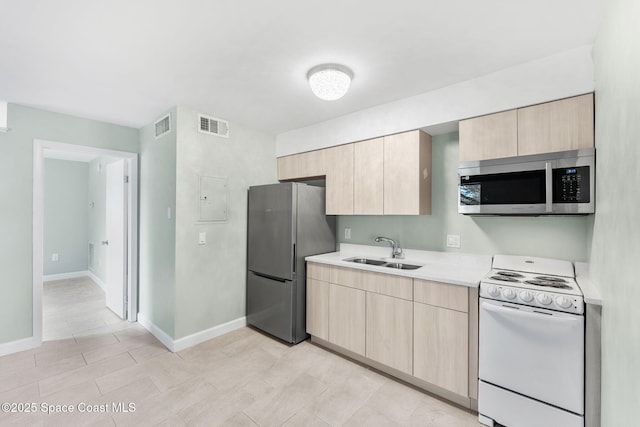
column 509, row 293
column 526, row 296
column 544, row 299
column 564, row 302
column 493, row 290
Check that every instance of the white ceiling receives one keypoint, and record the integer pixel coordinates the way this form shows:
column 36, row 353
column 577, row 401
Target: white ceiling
column 128, row 61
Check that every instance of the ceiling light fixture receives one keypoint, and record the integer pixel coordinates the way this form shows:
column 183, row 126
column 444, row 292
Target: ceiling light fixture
column 329, row 81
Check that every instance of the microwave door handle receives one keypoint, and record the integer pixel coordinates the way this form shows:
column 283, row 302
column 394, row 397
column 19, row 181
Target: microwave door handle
column 548, row 172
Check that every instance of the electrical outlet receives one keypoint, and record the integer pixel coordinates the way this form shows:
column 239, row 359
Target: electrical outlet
column 55, row 257
column 347, row 233
column 453, row 240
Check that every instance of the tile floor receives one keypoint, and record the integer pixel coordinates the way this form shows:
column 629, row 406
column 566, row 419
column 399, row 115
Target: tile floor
column 72, row 307
column 243, row 378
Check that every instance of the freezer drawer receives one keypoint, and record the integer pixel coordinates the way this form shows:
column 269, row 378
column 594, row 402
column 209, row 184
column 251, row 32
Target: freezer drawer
column 271, row 305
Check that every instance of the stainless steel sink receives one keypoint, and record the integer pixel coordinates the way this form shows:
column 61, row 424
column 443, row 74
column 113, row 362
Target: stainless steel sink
column 366, row 261
column 380, row 263
column 401, row 266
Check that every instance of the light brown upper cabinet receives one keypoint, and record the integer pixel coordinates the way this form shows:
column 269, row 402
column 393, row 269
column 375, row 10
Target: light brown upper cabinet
column 566, row 124
column 489, row 137
column 306, row 165
column 368, row 172
column 407, row 173
column 339, row 171
column 390, row 175
column 561, row 125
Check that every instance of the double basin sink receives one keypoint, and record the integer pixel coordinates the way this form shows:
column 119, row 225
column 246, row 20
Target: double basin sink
column 381, row 263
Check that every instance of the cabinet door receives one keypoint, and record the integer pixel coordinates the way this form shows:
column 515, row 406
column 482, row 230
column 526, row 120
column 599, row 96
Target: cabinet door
column 306, row 165
column 339, row 166
column 347, row 318
column 489, row 137
column 562, row 125
column 318, row 308
column 368, row 177
column 407, row 174
column 441, row 347
column 390, row 331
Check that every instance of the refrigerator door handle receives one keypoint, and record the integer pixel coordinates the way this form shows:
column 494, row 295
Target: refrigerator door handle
column 294, row 258
column 266, row 276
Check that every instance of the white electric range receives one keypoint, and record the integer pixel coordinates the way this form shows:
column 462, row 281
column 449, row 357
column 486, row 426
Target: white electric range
column 531, row 344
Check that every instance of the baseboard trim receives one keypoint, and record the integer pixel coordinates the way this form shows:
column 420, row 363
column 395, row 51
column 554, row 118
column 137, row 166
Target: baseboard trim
column 63, row 276
column 19, row 345
column 193, row 339
column 207, row 334
column 96, row 279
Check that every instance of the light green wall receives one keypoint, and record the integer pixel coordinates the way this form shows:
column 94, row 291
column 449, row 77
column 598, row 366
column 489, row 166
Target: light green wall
column 616, row 235
column 16, row 200
column 210, row 279
column 66, row 214
column 554, row 237
column 156, row 299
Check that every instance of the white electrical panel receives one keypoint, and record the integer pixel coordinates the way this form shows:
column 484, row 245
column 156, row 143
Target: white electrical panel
column 212, row 198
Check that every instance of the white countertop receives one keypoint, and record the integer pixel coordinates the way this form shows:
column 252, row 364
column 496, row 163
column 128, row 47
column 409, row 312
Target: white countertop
column 448, row 267
column 590, row 292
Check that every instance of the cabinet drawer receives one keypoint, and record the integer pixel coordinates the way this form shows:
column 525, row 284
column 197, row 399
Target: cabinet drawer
column 318, row 271
column 441, row 295
column 380, row 283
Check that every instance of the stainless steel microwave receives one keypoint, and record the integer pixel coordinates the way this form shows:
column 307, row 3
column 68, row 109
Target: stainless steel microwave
column 561, row 183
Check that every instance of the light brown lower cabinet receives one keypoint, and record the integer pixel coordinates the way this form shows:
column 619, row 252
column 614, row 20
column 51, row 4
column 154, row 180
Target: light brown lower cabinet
column 318, row 308
column 389, row 331
column 347, row 318
column 441, row 347
column 415, row 327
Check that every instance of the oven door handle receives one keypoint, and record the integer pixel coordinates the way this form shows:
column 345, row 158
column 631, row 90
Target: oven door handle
column 570, row 320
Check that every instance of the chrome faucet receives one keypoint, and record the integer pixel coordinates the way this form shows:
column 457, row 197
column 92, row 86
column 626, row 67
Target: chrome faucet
column 396, row 251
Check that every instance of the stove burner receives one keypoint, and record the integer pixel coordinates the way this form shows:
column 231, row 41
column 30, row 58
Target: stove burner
column 505, row 278
column 551, row 279
column 510, row 274
column 547, row 283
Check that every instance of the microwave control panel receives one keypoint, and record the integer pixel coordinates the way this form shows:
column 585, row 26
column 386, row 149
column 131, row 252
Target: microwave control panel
column 571, row 185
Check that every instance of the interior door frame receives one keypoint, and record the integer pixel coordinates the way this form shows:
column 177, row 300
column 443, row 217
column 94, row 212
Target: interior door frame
column 40, row 148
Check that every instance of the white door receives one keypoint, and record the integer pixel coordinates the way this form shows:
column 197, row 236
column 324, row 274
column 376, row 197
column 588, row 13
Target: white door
column 116, row 283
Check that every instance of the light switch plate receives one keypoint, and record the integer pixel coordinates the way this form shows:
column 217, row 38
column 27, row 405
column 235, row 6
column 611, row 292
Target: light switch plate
column 453, row 240
column 55, row 257
column 202, row 238
column 347, row 233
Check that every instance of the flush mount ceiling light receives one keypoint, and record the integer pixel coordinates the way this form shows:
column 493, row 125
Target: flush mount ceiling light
column 329, row 81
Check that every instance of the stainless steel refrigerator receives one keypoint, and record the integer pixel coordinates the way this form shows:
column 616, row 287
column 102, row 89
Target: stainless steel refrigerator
column 287, row 222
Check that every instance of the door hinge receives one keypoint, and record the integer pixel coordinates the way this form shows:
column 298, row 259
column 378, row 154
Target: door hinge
column 126, row 179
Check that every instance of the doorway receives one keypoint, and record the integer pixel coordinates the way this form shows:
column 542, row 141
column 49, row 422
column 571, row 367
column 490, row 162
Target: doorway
column 120, row 284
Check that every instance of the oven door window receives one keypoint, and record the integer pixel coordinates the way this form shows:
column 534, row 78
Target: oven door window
column 514, row 188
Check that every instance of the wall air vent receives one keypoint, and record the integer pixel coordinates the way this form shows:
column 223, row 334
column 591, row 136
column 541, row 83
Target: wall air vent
column 163, row 126
column 213, row 126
